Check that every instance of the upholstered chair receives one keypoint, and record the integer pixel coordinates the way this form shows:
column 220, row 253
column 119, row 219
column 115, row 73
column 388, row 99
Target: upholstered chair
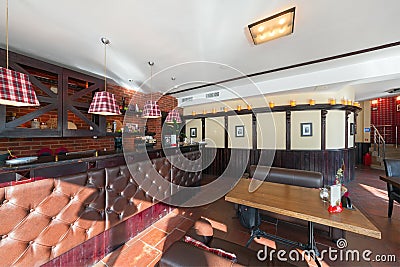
column 392, row 168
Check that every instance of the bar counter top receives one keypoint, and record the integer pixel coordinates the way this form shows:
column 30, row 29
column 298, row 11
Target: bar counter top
column 89, row 158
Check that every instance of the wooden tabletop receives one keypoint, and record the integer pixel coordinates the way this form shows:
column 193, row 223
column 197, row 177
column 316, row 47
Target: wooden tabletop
column 302, row 203
column 391, row 180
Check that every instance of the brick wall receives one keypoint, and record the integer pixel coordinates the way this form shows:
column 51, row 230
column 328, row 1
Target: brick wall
column 166, row 103
column 385, row 117
column 30, row 146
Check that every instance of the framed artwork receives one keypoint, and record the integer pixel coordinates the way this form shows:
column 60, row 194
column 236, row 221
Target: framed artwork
column 193, row 132
column 239, row 131
column 352, row 130
column 306, row 129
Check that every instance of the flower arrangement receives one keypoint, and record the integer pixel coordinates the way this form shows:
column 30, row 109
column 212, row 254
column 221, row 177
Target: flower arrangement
column 339, row 174
column 339, row 179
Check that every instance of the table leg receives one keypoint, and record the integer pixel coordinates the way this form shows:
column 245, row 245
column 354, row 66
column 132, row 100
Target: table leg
column 311, row 245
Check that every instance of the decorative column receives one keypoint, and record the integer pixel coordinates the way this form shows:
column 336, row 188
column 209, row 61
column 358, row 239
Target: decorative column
column 288, row 129
column 324, row 112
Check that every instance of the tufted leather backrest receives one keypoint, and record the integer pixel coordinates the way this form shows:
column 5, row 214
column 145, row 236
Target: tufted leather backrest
column 45, row 218
column 124, row 198
column 186, row 173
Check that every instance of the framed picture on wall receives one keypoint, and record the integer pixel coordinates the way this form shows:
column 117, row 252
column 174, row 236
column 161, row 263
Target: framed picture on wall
column 239, row 131
column 352, row 130
column 306, row 129
column 193, row 132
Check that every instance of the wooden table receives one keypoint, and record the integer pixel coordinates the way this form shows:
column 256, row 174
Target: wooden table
column 391, row 180
column 301, row 203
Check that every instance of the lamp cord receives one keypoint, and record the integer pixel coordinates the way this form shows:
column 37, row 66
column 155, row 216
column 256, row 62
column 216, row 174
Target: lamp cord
column 105, row 67
column 151, row 84
column 7, row 34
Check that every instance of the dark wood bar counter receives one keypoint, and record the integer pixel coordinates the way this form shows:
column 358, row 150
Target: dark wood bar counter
column 56, row 166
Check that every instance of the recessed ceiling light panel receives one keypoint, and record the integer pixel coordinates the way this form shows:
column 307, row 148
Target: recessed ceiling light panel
column 273, row 27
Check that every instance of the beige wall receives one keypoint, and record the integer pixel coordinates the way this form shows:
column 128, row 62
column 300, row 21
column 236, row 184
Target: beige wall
column 215, row 132
column 364, row 121
column 196, row 123
column 271, row 130
column 240, row 142
column 299, row 142
column 335, row 128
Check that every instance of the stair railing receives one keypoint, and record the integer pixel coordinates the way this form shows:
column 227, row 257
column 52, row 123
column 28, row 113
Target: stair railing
column 379, row 143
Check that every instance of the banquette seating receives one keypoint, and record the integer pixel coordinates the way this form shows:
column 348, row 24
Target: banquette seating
column 45, row 218
column 181, row 253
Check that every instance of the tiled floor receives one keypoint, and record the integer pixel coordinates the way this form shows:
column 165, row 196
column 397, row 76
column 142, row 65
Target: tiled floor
column 367, row 192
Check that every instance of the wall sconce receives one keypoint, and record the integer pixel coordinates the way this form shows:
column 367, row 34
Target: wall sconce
column 214, row 110
column 374, row 102
column 311, row 102
column 248, row 107
column 273, row 27
column 357, row 104
column 225, row 109
column 271, row 104
column 292, row 103
column 239, row 107
column 343, row 101
column 204, row 112
column 193, row 113
column 332, row 101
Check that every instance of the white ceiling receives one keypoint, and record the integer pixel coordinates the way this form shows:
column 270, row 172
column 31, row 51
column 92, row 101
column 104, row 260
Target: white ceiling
column 203, row 41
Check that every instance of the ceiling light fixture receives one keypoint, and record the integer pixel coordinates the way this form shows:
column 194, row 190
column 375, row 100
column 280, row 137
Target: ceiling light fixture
column 15, row 87
column 104, row 102
column 273, row 27
column 173, row 117
column 151, row 110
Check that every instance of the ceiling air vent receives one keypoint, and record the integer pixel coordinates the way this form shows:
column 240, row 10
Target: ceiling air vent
column 186, row 99
column 211, row 95
column 393, row 91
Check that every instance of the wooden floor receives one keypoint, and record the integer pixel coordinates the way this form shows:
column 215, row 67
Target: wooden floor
column 367, row 192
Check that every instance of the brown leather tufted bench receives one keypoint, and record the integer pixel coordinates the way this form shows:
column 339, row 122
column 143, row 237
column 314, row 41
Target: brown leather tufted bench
column 184, row 254
column 41, row 220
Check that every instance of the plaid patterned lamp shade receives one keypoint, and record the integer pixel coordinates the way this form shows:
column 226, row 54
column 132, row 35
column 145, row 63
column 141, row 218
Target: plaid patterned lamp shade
column 151, row 110
column 173, row 116
column 16, row 89
column 104, row 103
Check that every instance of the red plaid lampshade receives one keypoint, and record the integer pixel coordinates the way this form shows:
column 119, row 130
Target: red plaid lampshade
column 104, row 103
column 173, row 116
column 16, row 89
column 151, row 110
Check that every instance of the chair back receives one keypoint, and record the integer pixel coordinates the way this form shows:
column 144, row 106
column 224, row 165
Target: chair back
column 392, row 167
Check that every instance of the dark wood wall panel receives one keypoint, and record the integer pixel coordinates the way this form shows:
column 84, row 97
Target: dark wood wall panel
column 327, row 162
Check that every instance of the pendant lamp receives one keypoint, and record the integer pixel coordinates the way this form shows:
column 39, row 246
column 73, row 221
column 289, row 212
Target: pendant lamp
column 104, row 102
column 151, row 110
column 15, row 87
column 173, row 117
